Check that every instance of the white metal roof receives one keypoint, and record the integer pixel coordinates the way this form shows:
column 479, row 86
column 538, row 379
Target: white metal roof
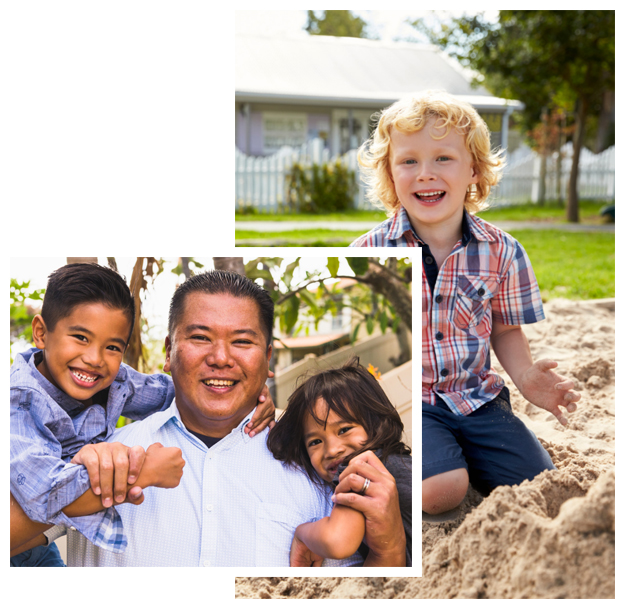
column 328, row 70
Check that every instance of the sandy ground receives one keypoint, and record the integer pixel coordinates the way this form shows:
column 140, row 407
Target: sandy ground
column 552, row 537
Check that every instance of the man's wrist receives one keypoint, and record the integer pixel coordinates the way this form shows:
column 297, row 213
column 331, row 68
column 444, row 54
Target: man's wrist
column 388, row 558
column 146, row 478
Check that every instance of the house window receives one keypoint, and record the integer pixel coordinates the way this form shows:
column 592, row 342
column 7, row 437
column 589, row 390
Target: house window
column 349, row 140
column 280, row 129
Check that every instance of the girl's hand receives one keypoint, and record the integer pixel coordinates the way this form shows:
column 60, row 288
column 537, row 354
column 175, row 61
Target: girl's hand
column 301, row 556
column 265, row 414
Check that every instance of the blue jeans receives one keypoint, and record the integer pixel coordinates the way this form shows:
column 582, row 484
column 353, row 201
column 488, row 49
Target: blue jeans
column 492, row 444
column 41, row 556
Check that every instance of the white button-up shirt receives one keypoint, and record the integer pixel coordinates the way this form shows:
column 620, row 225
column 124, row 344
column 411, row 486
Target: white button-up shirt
column 235, row 505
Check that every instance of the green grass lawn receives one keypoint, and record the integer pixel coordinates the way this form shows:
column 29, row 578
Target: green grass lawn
column 550, row 212
column 375, row 216
column 571, row 265
column 567, row 264
column 301, row 237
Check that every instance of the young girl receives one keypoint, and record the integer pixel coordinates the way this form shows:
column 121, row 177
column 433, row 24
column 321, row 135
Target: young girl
column 332, row 417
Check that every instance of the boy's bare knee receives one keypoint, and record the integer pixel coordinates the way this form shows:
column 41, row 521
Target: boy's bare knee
column 444, row 491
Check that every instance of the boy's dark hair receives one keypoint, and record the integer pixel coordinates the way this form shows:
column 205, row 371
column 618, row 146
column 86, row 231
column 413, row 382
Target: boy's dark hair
column 354, row 394
column 85, row 283
column 218, row 282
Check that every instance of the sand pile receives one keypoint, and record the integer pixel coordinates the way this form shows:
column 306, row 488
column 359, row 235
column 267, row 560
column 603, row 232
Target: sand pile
column 552, row 537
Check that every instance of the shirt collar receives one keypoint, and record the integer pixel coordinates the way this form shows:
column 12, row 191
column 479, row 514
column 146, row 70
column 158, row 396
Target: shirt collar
column 400, row 225
column 67, row 403
column 478, row 228
column 471, row 227
column 173, row 414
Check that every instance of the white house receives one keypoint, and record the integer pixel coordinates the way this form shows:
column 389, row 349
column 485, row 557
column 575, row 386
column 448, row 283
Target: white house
column 291, row 89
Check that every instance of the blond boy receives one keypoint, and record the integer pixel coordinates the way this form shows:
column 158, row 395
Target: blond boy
column 429, row 163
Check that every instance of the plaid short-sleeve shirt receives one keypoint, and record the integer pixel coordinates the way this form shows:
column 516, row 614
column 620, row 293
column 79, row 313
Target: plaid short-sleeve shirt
column 487, row 276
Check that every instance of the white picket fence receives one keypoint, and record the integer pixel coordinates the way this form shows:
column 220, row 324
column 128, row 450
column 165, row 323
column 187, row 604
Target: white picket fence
column 261, row 180
column 520, row 182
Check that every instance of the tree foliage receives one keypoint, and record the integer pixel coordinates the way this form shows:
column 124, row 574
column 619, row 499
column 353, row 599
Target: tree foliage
column 21, row 313
column 336, row 23
column 546, row 59
column 380, row 294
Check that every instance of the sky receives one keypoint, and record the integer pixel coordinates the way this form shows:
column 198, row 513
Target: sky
column 388, row 25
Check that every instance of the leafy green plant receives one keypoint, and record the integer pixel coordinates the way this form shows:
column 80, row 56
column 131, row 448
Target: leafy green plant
column 21, row 313
column 329, row 187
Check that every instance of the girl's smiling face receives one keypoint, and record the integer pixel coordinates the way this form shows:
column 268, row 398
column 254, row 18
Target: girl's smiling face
column 329, row 445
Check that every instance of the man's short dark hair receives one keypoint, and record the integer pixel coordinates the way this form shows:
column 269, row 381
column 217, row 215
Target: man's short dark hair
column 224, row 282
column 85, row 283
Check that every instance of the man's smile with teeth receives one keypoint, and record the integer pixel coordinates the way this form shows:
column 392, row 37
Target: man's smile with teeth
column 219, row 382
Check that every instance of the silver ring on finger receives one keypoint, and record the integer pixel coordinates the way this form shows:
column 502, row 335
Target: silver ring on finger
column 365, row 486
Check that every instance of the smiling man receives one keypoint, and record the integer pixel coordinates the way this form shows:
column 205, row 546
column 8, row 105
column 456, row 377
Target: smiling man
column 235, row 505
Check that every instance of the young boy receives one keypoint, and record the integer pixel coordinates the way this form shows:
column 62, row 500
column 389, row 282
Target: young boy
column 67, row 395
column 430, row 165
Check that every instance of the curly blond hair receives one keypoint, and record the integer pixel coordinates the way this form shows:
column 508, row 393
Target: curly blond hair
column 411, row 114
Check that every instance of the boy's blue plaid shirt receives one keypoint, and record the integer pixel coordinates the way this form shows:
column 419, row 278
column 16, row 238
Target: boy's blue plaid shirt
column 48, row 428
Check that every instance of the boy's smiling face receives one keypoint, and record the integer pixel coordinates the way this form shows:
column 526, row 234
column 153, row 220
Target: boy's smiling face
column 83, row 353
column 431, row 176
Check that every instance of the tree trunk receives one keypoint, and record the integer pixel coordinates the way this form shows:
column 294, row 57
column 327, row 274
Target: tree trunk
column 82, row 260
column 134, row 352
column 231, row 264
column 572, row 205
column 559, row 195
column 542, row 180
column 186, row 268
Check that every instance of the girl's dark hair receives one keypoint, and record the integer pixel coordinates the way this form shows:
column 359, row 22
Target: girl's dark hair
column 354, row 394
column 85, row 283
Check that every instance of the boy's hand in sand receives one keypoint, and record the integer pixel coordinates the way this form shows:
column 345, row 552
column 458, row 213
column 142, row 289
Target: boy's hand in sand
column 264, row 415
column 113, row 468
column 301, row 556
column 546, row 389
column 384, row 529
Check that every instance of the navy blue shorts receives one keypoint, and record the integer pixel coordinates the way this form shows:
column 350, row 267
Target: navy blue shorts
column 41, row 556
column 492, row 444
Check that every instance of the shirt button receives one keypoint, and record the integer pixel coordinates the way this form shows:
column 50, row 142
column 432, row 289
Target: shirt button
column 72, row 528
column 439, row 336
column 438, row 299
column 209, row 507
column 207, row 563
column 444, row 372
column 429, row 260
column 481, row 292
